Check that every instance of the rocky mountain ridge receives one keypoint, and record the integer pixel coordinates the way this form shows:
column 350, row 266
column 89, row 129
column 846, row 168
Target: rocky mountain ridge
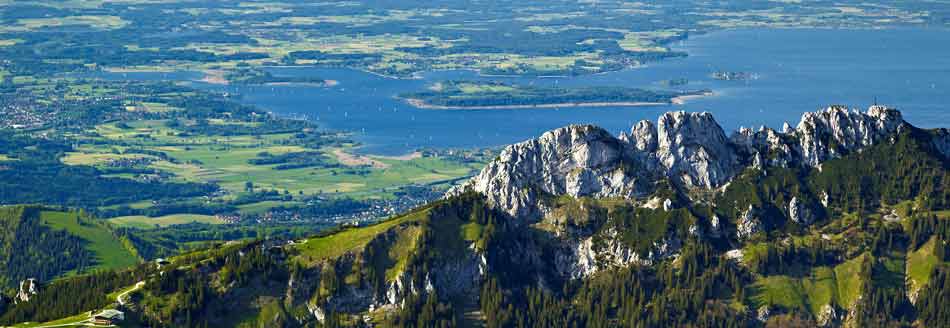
column 690, row 149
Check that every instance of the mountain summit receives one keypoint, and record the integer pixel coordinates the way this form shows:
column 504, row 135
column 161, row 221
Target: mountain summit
column 690, row 149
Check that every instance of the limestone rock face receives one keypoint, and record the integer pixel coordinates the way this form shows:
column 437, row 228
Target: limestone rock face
column 28, row 288
column 836, row 131
column 820, row 136
column 586, row 260
column 583, row 160
column 694, row 149
column 643, row 137
column 688, row 148
column 748, row 224
column 715, row 230
column 586, row 257
column 763, row 313
column 458, row 276
column 735, row 254
column 827, row 316
column 799, row 212
column 780, row 147
column 787, row 128
column 578, row 160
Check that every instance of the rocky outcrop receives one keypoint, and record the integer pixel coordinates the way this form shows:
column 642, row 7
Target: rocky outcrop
column 799, row 212
column 686, row 150
column 735, row 255
column 836, row 131
column 827, row 316
column 28, row 288
column 583, row 160
column 748, row 224
column 694, row 149
column 763, row 313
column 578, row 160
column 643, row 137
column 715, row 227
column 457, row 276
column 787, row 128
column 689, row 149
column 779, row 148
column 586, row 257
column 821, row 136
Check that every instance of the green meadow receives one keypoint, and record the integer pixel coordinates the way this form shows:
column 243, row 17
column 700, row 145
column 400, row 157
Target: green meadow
column 227, row 161
column 145, row 222
column 110, row 252
column 334, row 245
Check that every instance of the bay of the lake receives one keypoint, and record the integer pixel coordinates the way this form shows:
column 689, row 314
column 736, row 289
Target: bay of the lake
column 797, row 70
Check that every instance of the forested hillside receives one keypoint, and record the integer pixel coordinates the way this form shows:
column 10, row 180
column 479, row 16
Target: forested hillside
column 859, row 240
column 44, row 244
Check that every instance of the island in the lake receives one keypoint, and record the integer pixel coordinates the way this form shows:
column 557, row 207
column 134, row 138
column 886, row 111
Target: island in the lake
column 500, row 95
column 675, row 82
column 249, row 76
column 734, row 76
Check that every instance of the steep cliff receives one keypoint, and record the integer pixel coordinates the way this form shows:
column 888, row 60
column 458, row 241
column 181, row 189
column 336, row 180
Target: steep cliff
column 690, row 149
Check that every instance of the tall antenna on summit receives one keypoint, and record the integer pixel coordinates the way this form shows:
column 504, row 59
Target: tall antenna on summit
column 875, row 100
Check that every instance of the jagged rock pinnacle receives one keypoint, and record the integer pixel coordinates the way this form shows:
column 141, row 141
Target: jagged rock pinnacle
column 689, row 149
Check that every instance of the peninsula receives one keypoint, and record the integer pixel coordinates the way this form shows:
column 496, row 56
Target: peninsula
column 500, row 95
column 261, row 77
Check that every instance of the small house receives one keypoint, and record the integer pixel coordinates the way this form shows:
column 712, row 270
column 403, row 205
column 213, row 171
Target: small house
column 108, row 317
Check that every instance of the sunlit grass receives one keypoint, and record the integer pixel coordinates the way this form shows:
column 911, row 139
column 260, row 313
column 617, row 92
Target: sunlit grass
column 109, row 251
column 349, row 240
column 145, row 222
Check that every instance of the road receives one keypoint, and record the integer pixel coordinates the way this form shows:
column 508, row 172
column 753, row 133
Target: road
column 88, row 321
column 120, row 297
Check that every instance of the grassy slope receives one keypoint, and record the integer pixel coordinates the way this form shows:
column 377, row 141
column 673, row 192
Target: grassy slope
column 144, row 222
column 920, row 263
column 337, row 244
column 109, row 250
column 450, row 237
column 400, row 250
column 783, row 291
column 72, row 321
column 824, row 285
column 821, row 288
column 848, row 280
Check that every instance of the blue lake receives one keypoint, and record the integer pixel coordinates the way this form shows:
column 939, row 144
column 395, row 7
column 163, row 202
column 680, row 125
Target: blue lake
column 799, row 70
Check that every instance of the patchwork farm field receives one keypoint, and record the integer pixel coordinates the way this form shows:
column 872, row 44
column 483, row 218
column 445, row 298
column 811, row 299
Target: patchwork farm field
column 145, row 222
column 242, row 163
